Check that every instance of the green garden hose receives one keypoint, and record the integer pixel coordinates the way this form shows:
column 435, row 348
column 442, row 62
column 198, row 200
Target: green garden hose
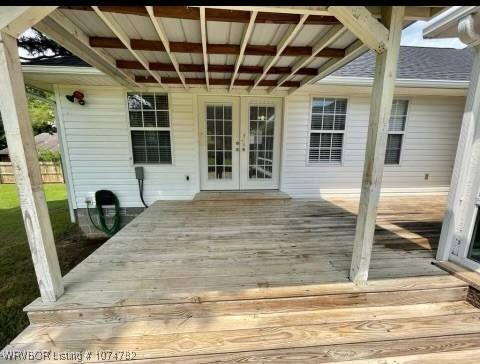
column 104, row 198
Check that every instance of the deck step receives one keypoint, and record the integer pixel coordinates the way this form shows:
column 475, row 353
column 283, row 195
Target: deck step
column 201, row 309
column 336, row 334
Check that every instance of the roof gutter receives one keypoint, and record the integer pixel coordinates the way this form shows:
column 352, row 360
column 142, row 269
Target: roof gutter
column 62, row 70
column 401, row 82
column 440, row 26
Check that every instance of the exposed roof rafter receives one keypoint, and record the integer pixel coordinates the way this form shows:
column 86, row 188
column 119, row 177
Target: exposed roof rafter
column 203, row 34
column 289, row 35
column 166, row 44
column 117, row 29
column 246, row 37
column 331, row 36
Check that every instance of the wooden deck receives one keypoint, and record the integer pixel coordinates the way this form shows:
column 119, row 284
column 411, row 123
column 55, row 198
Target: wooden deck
column 264, row 281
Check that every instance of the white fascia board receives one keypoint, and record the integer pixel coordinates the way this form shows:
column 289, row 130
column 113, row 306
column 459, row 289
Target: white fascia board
column 445, row 24
column 62, row 70
column 368, row 81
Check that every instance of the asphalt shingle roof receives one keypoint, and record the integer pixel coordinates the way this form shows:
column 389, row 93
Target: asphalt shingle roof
column 70, row 61
column 418, row 63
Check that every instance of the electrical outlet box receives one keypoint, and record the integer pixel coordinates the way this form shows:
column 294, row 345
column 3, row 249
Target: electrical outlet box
column 90, row 198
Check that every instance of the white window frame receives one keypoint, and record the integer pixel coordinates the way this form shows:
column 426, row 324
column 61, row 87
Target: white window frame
column 134, row 128
column 310, row 131
column 402, row 132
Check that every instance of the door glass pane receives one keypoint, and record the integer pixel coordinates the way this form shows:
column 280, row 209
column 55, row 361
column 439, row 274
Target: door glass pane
column 261, row 127
column 219, row 141
column 474, row 252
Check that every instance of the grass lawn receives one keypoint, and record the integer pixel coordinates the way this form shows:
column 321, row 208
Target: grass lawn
column 18, row 285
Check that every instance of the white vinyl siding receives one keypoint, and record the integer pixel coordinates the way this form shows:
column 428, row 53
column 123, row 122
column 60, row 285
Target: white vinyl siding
column 327, row 127
column 97, row 136
column 396, row 131
column 428, row 149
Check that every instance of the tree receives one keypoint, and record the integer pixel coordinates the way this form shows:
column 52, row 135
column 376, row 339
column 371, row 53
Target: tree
column 40, row 47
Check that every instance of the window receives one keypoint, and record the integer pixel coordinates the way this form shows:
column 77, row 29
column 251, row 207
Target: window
column 150, row 127
column 326, row 130
column 396, row 130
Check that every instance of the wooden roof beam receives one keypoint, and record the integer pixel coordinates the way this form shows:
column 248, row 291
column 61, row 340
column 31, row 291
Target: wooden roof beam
column 361, row 22
column 187, row 47
column 289, row 36
column 203, row 35
column 331, row 36
column 214, row 81
column 227, row 68
column 14, row 20
column 245, row 38
column 166, row 44
column 213, row 14
column 117, row 29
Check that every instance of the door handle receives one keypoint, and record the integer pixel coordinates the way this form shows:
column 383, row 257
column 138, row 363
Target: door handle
column 243, row 142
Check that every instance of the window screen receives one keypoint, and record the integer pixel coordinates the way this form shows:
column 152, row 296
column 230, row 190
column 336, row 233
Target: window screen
column 150, row 127
column 327, row 130
column 396, row 131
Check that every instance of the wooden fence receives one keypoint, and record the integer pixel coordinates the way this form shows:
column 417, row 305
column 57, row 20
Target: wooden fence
column 51, row 172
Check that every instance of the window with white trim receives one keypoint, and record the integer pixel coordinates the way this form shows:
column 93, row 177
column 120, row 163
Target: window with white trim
column 396, row 131
column 150, row 127
column 327, row 130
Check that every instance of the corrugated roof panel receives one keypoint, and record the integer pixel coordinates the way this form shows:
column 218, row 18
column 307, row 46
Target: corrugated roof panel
column 226, row 33
column 267, row 33
column 220, row 75
column 317, row 62
column 155, row 56
column 120, row 54
column 253, row 60
column 286, row 61
column 344, row 41
column 88, row 22
column 168, row 74
column 308, row 34
column 136, row 27
column 181, row 30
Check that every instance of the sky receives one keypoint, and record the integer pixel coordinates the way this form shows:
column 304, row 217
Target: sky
column 411, row 36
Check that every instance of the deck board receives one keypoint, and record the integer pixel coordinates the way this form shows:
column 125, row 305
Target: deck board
column 190, row 247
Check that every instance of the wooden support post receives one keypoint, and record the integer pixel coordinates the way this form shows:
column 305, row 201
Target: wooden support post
column 23, row 153
column 462, row 187
column 380, row 108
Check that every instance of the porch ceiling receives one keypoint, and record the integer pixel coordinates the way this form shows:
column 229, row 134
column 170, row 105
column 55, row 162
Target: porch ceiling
column 273, row 48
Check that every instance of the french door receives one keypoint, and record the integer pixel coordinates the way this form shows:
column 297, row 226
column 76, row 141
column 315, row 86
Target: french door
column 239, row 142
